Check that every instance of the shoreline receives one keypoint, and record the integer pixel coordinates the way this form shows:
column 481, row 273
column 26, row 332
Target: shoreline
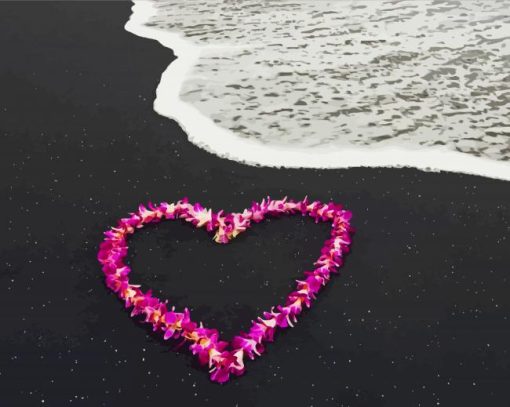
column 422, row 294
column 204, row 133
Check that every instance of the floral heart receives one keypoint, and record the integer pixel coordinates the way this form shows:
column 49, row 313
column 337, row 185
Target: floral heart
column 223, row 358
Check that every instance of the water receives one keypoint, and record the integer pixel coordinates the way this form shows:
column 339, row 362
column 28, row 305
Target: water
column 347, row 75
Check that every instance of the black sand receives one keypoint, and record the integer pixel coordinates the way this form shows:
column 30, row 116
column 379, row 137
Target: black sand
column 418, row 317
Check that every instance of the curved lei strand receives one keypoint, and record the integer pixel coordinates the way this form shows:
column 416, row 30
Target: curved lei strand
column 223, row 358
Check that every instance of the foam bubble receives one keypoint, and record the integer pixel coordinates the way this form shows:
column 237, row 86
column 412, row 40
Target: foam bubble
column 341, row 84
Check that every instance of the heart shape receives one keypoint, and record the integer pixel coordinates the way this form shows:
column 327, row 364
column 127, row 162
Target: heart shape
column 223, row 358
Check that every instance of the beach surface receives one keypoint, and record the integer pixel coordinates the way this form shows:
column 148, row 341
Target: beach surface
column 419, row 315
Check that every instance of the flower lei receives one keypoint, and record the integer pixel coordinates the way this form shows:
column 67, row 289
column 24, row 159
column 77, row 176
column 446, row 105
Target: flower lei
column 223, row 358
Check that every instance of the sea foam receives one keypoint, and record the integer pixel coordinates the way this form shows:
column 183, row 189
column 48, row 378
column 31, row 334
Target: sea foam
column 281, row 132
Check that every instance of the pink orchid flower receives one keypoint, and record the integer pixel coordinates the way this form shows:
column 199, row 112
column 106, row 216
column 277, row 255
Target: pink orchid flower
column 224, row 359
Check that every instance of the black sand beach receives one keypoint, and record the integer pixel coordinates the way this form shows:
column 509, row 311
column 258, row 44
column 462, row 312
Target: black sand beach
column 418, row 317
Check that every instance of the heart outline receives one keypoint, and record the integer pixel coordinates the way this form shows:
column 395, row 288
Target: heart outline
column 224, row 358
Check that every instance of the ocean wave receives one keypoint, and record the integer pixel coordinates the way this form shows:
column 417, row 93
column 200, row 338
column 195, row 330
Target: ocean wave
column 338, row 84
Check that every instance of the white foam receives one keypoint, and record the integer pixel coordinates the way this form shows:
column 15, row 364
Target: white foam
column 203, row 132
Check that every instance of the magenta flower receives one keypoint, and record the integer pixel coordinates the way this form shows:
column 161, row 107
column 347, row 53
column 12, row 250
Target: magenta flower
column 258, row 331
column 206, row 344
column 225, row 363
column 223, row 358
column 270, row 325
column 251, row 346
column 172, row 322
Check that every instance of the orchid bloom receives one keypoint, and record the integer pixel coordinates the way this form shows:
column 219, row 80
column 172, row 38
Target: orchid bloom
column 223, row 358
